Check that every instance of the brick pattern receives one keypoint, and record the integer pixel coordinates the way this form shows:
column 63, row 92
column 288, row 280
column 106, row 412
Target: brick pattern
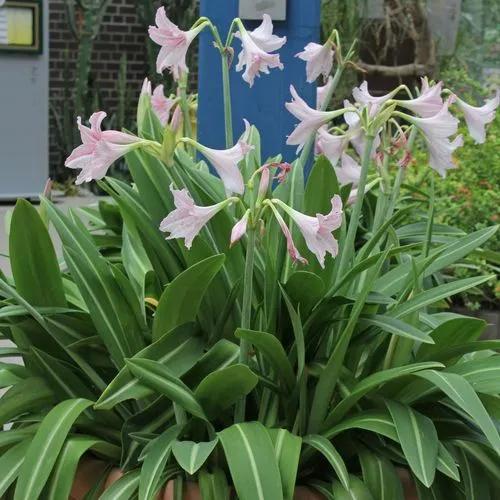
column 121, row 32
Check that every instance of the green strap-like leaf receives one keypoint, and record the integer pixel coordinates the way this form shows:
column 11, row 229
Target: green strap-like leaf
column 398, row 327
column 178, row 349
column 182, row 298
column 287, row 448
column 252, row 461
column 124, row 489
column 33, row 260
column 159, row 378
column 10, row 464
column 357, row 490
column 273, row 351
column 63, row 475
column 46, row 446
column 326, row 448
column 418, row 438
column 223, row 388
column 380, row 476
column 213, row 486
column 154, row 462
column 463, row 395
column 370, row 383
column 191, row 456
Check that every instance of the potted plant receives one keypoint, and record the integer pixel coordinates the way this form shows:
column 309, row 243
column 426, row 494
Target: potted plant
column 235, row 358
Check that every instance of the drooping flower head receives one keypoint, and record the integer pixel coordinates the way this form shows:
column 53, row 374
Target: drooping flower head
column 240, row 228
column 99, row 149
column 310, row 119
column 428, row 103
column 349, row 172
column 174, row 43
column 477, row 118
column 254, row 55
column 317, row 231
column 330, row 145
column 437, row 131
column 225, row 162
column 161, row 105
column 319, row 60
column 188, row 219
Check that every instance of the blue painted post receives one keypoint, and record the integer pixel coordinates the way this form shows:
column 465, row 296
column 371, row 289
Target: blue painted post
column 263, row 105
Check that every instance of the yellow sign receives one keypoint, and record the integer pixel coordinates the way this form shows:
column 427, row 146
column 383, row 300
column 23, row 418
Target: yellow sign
column 20, row 26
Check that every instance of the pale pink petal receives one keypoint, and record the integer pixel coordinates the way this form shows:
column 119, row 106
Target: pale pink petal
column 174, row 44
column 441, row 151
column 310, row 120
column 349, row 172
column 319, row 60
column 428, row 103
column 317, row 231
column 264, row 38
column 362, row 96
column 290, row 245
column 240, row 228
column 188, row 219
column 161, row 105
column 332, row 146
column 442, row 124
column 478, row 117
column 322, row 92
column 146, row 87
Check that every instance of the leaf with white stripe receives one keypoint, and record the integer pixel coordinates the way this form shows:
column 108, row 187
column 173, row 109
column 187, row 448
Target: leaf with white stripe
column 45, row 447
column 158, row 377
column 154, row 462
column 380, row 476
column 326, row 448
column 190, row 455
column 124, row 489
column 287, row 447
column 418, row 438
column 252, row 461
column 178, row 349
column 10, row 463
column 463, row 395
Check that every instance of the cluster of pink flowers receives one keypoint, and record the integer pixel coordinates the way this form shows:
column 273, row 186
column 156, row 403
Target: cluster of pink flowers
column 430, row 115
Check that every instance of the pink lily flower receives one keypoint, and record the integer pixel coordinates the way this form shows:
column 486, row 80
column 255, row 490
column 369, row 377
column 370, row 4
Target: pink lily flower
column 436, row 130
column 174, row 43
column 349, row 172
column 290, row 245
column 332, row 146
column 478, row 117
column 428, row 103
column 161, row 105
column 240, row 228
column 263, row 36
column 99, row 149
column 253, row 57
column 322, row 92
column 310, row 120
column 188, row 219
column 225, row 162
column 319, row 60
column 317, row 231
column 441, row 151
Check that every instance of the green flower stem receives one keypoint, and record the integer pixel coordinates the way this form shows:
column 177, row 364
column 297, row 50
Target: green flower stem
column 226, row 84
column 188, row 129
column 400, row 177
column 348, row 250
column 246, row 311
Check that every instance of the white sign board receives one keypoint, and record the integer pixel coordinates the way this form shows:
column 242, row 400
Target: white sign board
column 255, row 9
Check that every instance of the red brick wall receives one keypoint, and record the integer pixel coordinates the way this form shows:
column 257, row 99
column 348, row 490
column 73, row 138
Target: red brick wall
column 121, row 32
